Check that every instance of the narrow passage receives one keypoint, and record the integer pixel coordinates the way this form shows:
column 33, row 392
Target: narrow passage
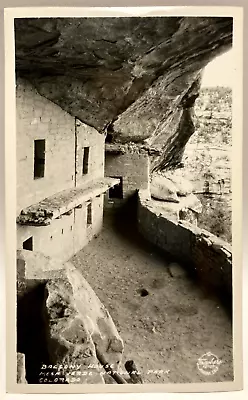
column 166, row 320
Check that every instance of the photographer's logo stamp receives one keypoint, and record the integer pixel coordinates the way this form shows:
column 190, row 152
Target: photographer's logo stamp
column 208, row 364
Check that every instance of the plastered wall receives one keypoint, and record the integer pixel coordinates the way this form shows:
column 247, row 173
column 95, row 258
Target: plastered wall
column 65, row 137
column 39, row 118
column 66, row 235
column 55, row 240
column 87, row 136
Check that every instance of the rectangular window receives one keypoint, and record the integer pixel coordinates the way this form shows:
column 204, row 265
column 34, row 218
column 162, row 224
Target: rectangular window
column 39, row 158
column 116, row 192
column 89, row 214
column 86, row 152
column 28, row 244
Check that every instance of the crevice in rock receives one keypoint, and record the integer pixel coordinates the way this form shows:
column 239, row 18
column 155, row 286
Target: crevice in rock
column 32, row 332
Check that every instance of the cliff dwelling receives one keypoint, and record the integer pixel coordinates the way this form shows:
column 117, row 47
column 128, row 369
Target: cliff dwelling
column 118, row 278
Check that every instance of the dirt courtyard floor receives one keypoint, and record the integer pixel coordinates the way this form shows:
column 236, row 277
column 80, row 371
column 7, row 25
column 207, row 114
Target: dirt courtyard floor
column 168, row 326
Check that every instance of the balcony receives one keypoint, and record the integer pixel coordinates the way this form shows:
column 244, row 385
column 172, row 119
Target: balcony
column 42, row 213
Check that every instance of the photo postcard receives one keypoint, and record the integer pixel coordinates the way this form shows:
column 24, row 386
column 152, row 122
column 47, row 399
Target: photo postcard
column 123, row 199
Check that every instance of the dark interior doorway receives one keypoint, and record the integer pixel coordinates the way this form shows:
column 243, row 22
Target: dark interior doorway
column 116, row 192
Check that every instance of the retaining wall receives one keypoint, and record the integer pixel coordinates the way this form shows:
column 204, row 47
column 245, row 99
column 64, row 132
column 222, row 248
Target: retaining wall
column 207, row 255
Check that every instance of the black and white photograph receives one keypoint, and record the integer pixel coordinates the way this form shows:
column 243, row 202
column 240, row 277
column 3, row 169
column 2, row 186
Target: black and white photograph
column 124, row 209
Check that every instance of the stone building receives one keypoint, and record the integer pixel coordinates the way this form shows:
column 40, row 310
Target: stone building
column 130, row 164
column 60, row 177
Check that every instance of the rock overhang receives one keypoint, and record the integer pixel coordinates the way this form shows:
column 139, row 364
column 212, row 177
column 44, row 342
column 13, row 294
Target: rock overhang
column 135, row 78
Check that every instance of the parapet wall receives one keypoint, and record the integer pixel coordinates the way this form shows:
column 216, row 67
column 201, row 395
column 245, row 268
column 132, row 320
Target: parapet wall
column 207, row 255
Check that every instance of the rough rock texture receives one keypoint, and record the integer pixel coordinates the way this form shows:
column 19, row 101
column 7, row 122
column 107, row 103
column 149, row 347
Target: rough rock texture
column 134, row 78
column 184, row 186
column 208, row 160
column 163, row 189
column 187, row 208
column 21, row 371
column 61, row 323
column 173, row 182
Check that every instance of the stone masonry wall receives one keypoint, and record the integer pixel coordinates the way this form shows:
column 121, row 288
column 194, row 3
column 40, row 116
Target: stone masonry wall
column 39, row 118
column 204, row 253
column 89, row 137
column 65, row 138
column 132, row 167
column 55, row 240
column 66, row 235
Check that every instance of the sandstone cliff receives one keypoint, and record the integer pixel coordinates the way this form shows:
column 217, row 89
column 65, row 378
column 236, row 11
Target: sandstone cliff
column 135, row 79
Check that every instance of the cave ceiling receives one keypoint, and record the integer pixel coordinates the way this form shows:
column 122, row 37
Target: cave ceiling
column 131, row 77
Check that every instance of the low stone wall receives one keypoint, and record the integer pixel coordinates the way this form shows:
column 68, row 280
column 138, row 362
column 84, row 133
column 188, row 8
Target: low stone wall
column 205, row 254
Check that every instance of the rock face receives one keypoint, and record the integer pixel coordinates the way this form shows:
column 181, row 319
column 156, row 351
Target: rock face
column 163, row 189
column 21, row 371
column 184, row 186
column 135, row 79
column 171, row 195
column 61, row 323
column 207, row 160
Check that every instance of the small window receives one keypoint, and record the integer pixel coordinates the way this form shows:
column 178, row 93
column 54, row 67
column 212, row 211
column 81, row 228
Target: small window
column 116, row 192
column 39, row 158
column 89, row 214
column 86, row 152
column 28, row 244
